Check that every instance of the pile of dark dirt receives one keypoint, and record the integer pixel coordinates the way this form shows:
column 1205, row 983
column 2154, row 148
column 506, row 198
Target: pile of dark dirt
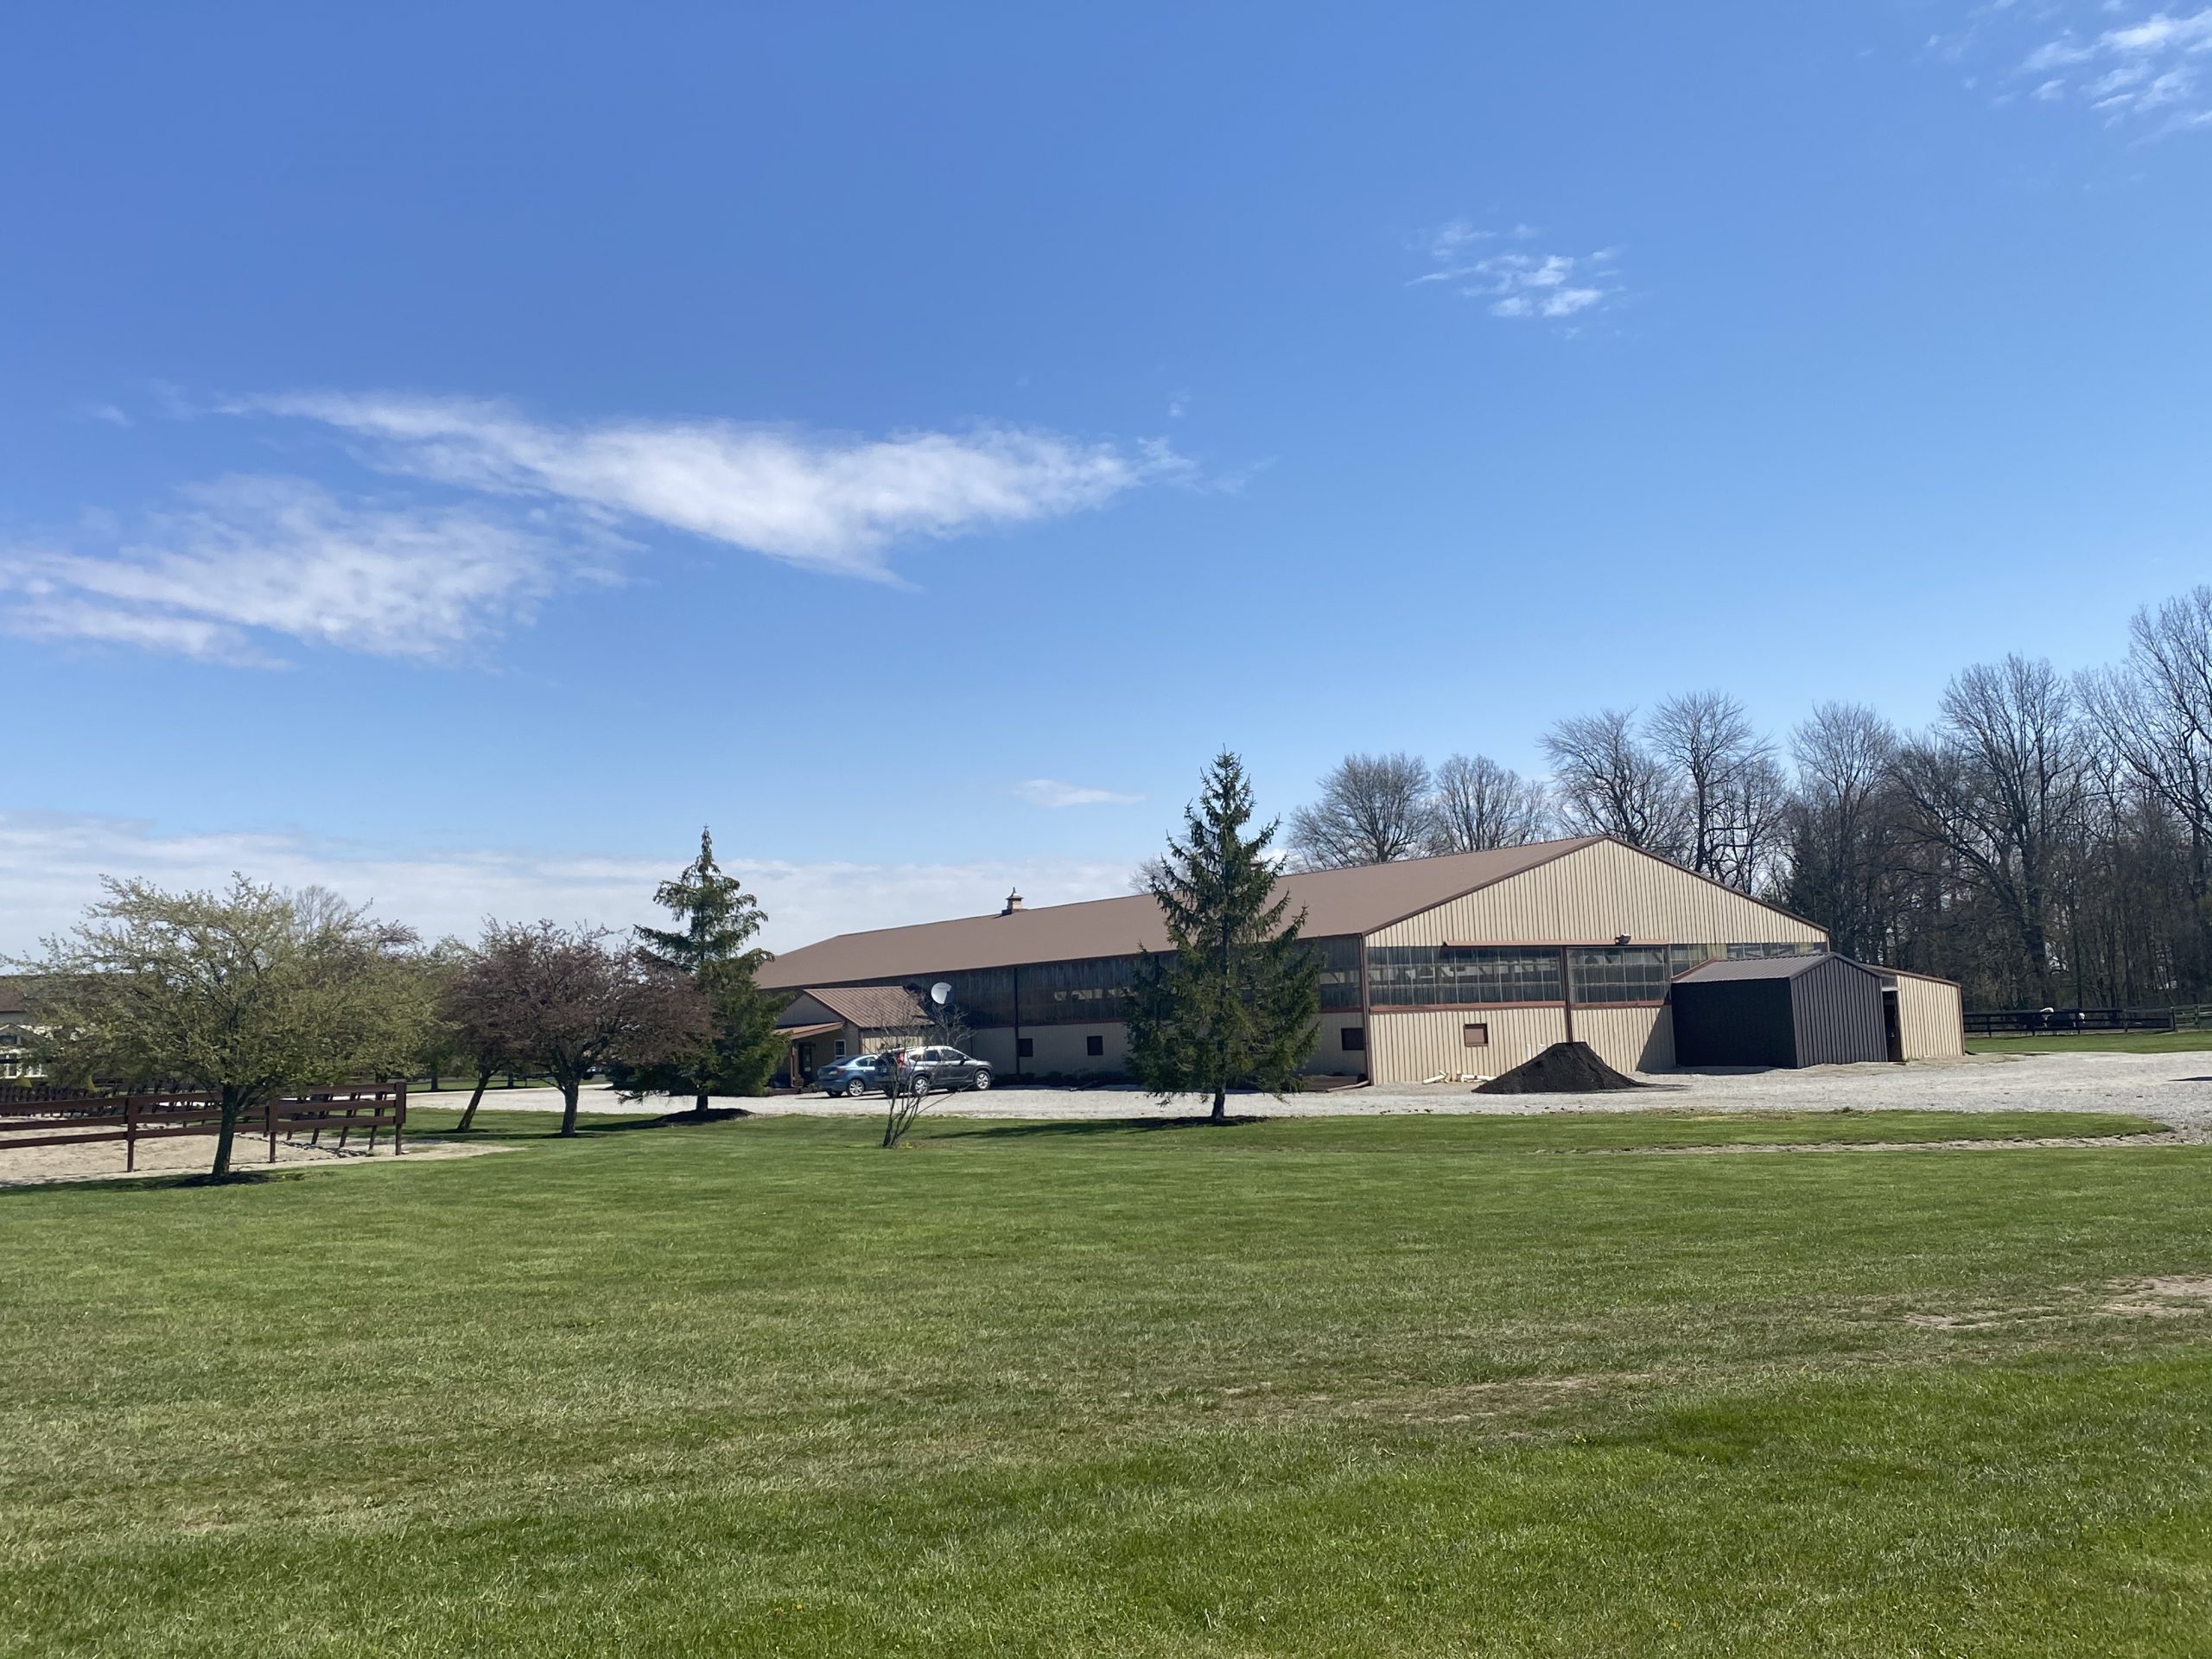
column 1562, row 1069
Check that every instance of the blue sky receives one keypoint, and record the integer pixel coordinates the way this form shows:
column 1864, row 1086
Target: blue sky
column 454, row 452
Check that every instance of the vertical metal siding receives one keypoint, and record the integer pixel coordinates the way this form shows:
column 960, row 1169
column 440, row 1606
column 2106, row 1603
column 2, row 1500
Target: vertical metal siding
column 1629, row 1040
column 1329, row 1057
column 1734, row 1022
column 1929, row 1020
column 1836, row 1010
column 1409, row 1047
column 1600, row 891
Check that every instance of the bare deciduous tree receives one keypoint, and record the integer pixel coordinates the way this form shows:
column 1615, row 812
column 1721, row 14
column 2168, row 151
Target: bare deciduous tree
column 2155, row 713
column 1479, row 805
column 1606, row 782
column 1731, row 789
column 1755, row 851
column 1374, row 809
column 1842, row 824
column 1998, row 786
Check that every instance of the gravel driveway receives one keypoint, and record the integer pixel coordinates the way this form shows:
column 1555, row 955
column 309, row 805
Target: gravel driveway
column 2174, row 1088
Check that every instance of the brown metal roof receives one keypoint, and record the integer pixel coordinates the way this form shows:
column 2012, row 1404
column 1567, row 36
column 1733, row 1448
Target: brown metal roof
column 1763, row 968
column 871, row 1007
column 1913, row 973
column 1336, row 902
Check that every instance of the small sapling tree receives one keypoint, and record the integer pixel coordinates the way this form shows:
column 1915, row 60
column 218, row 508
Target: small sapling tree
column 932, row 1024
column 1236, row 999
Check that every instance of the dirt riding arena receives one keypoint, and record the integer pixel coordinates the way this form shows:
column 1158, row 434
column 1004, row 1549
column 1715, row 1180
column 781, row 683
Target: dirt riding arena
column 191, row 1155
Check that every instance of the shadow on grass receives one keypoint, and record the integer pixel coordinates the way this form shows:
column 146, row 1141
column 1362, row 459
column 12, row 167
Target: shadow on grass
column 546, row 1126
column 665, row 1121
column 156, row 1182
column 586, row 1128
column 1105, row 1125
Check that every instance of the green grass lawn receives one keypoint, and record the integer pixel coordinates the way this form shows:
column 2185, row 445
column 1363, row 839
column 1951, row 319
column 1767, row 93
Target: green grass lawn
column 2108, row 1042
column 1411, row 1385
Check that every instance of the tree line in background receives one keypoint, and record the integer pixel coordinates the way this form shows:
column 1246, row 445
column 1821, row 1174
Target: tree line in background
column 2047, row 840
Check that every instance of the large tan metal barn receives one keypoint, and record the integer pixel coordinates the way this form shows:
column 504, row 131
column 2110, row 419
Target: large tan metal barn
column 1470, row 963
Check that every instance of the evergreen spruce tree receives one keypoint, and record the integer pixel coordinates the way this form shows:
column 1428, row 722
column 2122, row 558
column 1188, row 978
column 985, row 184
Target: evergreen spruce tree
column 712, row 944
column 1237, row 998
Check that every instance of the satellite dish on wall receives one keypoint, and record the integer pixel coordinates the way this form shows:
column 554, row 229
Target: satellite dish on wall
column 941, row 992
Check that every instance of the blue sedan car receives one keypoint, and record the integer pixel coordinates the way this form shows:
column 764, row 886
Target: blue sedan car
column 854, row 1075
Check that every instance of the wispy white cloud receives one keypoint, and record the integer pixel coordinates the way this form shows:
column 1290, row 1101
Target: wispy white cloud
column 830, row 504
column 245, row 558
column 2148, row 71
column 499, row 511
column 1050, row 792
column 50, row 865
column 1517, row 283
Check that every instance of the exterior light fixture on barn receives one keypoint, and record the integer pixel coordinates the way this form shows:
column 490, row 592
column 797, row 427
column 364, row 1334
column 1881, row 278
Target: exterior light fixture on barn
column 1580, row 938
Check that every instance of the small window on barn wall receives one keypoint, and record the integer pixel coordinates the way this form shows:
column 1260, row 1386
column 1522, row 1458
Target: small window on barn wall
column 1475, row 1036
column 841, row 1048
column 1024, row 1048
column 1354, row 1038
column 1094, row 1044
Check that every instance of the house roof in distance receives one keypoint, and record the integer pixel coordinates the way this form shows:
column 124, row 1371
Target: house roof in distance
column 871, row 1007
column 1336, row 902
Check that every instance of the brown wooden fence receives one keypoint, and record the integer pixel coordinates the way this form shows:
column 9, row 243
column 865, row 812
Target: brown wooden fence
column 75, row 1117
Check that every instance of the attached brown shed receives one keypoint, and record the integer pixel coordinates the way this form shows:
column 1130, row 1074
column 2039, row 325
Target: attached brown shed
column 1785, row 1011
column 1931, row 1020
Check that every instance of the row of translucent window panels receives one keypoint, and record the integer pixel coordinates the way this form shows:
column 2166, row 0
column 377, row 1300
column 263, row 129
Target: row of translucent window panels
column 1074, row 993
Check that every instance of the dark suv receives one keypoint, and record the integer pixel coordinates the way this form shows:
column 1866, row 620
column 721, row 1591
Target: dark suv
column 945, row 1068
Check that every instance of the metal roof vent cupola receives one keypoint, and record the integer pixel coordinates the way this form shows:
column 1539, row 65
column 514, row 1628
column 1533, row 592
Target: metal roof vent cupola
column 1012, row 904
